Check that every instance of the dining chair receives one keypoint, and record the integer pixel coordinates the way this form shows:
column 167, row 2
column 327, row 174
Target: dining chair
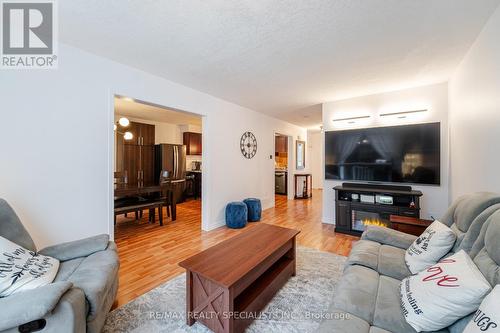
column 166, row 193
column 120, row 178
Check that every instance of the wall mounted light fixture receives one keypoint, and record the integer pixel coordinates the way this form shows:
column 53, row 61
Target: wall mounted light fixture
column 123, row 122
column 351, row 120
column 402, row 114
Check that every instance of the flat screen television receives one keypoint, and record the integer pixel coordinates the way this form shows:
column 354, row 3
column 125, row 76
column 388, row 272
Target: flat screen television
column 395, row 154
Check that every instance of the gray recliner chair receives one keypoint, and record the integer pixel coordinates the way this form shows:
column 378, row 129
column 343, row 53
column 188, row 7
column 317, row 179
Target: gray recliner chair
column 82, row 293
column 369, row 288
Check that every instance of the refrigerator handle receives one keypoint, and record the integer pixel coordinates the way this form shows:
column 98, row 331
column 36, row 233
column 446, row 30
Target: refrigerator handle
column 176, row 156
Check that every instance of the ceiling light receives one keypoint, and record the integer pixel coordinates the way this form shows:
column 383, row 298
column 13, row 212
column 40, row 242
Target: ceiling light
column 114, row 127
column 351, row 120
column 124, row 122
column 128, row 136
column 400, row 114
column 128, row 99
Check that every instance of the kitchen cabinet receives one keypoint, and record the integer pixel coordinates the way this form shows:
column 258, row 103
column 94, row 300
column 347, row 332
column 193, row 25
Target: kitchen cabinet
column 193, row 188
column 144, row 134
column 192, row 141
column 280, row 145
column 136, row 156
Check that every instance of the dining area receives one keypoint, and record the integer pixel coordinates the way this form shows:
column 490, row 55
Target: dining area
column 153, row 197
column 149, row 178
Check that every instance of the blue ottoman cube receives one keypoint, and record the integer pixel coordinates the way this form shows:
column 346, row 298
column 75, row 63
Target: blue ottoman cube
column 236, row 215
column 254, row 209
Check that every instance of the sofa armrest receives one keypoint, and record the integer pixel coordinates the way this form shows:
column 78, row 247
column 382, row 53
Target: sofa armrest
column 76, row 249
column 25, row 306
column 388, row 237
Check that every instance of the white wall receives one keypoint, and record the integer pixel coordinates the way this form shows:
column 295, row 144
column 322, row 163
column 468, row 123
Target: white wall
column 315, row 145
column 434, row 98
column 57, row 138
column 474, row 97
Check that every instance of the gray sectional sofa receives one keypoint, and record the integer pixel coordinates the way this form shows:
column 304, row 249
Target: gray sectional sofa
column 368, row 292
column 81, row 295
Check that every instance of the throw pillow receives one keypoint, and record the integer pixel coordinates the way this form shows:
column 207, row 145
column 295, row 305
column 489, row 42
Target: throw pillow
column 436, row 241
column 487, row 317
column 440, row 295
column 21, row 269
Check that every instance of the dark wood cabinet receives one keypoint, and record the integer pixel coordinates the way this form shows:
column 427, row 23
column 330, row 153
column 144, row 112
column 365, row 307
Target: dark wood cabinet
column 136, row 156
column 360, row 205
column 343, row 215
column 131, row 162
column 193, row 187
column 144, row 134
column 192, row 141
column 147, row 164
column 280, row 145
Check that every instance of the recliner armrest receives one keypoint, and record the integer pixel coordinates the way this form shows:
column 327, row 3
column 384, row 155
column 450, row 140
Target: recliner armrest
column 388, row 237
column 25, row 306
column 76, row 249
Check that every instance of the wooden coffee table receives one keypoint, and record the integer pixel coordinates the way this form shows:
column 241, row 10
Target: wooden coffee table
column 228, row 284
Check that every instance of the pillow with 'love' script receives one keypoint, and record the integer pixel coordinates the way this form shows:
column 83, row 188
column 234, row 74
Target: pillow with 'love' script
column 441, row 294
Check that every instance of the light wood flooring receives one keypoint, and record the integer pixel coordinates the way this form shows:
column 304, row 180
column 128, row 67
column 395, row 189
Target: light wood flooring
column 149, row 253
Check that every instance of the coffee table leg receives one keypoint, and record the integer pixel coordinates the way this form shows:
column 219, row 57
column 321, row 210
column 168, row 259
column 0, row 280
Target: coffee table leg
column 294, row 252
column 189, row 298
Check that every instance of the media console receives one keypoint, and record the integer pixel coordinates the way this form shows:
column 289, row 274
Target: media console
column 359, row 205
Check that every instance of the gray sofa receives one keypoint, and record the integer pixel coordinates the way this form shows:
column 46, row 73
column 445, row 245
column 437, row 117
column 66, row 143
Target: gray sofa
column 82, row 293
column 368, row 292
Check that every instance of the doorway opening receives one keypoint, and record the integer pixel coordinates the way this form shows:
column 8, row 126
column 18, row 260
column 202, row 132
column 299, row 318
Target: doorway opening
column 157, row 169
column 283, row 166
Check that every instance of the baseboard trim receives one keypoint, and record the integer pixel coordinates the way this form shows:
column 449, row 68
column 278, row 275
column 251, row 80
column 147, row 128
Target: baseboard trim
column 215, row 225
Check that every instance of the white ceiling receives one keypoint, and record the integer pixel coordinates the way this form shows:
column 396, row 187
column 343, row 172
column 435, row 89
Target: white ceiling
column 136, row 109
column 278, row 56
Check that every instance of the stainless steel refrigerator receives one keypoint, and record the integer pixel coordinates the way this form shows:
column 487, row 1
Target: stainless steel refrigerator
column 171, row 158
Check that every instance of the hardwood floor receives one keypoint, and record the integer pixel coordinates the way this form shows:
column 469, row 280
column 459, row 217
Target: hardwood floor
column 149, row 253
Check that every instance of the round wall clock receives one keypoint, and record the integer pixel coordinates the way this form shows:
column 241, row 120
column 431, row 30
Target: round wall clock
column 248, row 145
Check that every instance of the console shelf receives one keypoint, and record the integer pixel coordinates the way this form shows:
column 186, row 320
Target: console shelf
column 356, row 205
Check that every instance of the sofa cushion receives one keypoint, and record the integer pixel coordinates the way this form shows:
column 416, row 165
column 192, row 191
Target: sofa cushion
column 351, row 324
column 388, row 313
column 67, row 268
column 356, row 292
column 385, row 259
column 462, row 214
column 12, row 228
column 95, row 275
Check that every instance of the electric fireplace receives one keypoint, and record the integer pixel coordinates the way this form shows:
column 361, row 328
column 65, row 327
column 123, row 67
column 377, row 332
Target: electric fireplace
column 361, row 219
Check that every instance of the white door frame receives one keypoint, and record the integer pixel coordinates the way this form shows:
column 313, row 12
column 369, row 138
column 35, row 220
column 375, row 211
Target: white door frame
column 291, row 166
column 111, row 148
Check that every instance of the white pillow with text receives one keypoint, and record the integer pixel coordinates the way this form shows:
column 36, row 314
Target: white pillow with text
column 440, row 295
column 434, row 243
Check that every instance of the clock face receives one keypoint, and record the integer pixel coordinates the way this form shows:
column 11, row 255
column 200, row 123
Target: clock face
column 248, row 145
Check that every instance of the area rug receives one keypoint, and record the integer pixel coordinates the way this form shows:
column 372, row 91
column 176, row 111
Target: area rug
column 298, row 307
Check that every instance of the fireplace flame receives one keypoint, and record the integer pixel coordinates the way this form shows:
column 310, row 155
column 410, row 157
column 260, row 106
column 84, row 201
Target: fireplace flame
column 374, row 221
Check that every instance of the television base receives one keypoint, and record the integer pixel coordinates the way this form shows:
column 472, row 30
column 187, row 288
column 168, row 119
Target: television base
column 359, row 205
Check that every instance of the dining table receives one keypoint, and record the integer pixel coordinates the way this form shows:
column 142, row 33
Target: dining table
column 139, row 189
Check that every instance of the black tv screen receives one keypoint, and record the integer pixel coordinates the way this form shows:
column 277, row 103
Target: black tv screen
column 400, row 154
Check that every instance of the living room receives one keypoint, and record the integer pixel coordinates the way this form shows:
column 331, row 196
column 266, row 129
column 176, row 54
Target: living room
column 391, row 105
